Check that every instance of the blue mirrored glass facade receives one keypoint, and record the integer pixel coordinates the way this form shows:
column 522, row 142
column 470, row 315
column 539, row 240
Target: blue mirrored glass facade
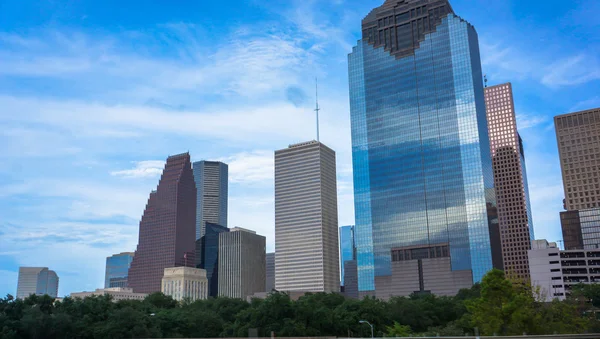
column 117, row 270
column 207, row 253
column 212, row 189
column 421, row 159
column 346, row 248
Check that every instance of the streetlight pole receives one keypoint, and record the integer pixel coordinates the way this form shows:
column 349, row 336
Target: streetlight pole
column 368, row 323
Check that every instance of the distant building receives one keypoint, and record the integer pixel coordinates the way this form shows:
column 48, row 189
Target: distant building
column 185, row 283
column 211, row 194
column 306, row 224
column 347, row 248
column 117, row 293
column 117, row 270
column 168, row 227
column 351, row 279
column 241, row 263
column 38, row 281
column 207, row 255
column 578, row 136
column 555, row 272
column 270, row 269
column 510, row 180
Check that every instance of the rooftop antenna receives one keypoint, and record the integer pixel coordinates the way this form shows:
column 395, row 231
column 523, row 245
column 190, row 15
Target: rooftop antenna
column 485, row 80
column 317, row 109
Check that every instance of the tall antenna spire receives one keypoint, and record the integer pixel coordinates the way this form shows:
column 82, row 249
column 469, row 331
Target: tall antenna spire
column 317, row 109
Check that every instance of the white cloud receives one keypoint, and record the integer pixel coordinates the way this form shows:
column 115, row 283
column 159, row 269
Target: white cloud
column 142, row 169
column 525, row 121
column 573, row 70
column 248, row 167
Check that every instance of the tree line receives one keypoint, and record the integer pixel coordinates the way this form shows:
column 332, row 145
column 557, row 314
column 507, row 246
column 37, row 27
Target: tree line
column 496, row 306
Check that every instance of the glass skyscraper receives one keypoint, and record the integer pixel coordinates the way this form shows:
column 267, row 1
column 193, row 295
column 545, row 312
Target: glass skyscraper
column 117, row 270
column 207, row 255
column 347, row 248
column 421, row 155
column 211, row 178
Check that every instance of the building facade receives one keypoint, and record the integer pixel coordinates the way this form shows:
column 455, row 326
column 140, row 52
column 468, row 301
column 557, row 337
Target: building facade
column 420, row 147
column 185, row 283
column 578, row 138
column 207, row 255
column 422, row 269
column 347, row 248
column 167, row 228
column 242, row 263
column 211, row 179
column 306, row 224
column 510, row 181
column 555, row 272
column 270, row 271
column 117, row 270
column 38, row 281
column 351, row 279
column 116, row 293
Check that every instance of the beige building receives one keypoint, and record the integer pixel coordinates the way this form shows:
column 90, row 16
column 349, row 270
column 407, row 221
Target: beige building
column 578, row 136
column 185, row 283
column 510, row 181
column 242, row 263
column 38, row 281
column 306, row 224
column 117, row 293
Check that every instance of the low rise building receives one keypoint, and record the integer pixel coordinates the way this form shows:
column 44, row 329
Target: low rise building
column 555, row 272
column 117, row 293
column 185, row 283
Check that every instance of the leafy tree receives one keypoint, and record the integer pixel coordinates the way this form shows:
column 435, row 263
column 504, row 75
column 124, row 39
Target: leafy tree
column 398, row 330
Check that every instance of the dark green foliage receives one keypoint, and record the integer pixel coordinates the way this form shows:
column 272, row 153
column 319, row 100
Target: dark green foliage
column 496, row 306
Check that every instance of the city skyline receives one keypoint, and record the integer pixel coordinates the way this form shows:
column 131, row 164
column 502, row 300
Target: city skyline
column 102, row 150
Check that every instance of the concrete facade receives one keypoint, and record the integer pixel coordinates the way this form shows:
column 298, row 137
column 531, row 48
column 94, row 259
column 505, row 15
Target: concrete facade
column 555, row 272
column 38, row 281
column 185, row 283
column 117, row 293
column 578, row 135
column 242, row 263
column 270, row 269
column 306, row 224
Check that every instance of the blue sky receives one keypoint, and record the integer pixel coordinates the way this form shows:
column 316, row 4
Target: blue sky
column 94, row 95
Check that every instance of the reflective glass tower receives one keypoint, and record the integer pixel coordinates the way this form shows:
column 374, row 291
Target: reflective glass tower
column 117, row 270
column 421, row 156
column 347, row 248
column 207, row 255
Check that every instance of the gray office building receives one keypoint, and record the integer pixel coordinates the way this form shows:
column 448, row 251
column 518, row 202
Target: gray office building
column 212, row 190
column 306, row 224
column 242, row 263
column 270, row 282
column 38, row 281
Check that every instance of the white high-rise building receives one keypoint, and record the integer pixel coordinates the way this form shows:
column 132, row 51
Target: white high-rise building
column 117, row 294
column 38, row 281
column 185, row 283
column 306, row 219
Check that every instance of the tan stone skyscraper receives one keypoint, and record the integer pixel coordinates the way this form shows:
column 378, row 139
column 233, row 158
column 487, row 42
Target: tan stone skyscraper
column 510, row 179
column 306, row 220
column 578, row 137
